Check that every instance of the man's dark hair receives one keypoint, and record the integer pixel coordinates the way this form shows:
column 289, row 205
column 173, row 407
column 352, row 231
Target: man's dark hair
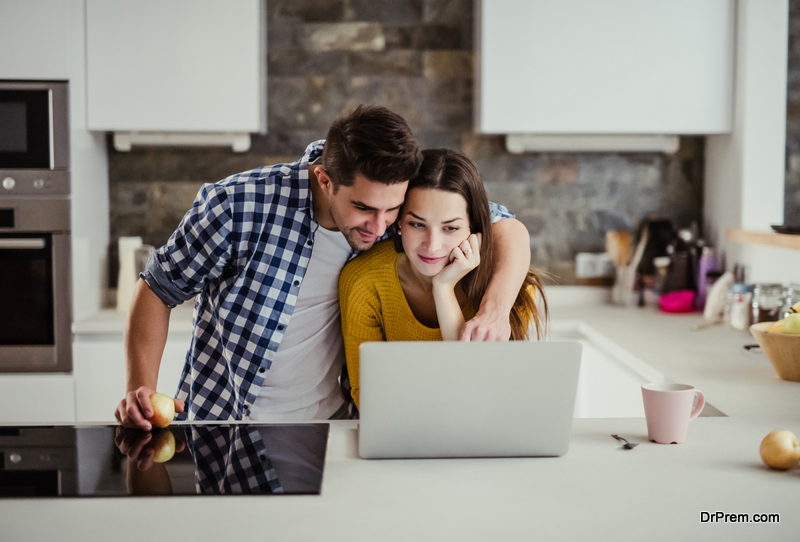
column 371, row 141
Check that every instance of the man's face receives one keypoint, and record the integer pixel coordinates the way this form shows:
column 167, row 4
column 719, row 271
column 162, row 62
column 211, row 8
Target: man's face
column 363, row 211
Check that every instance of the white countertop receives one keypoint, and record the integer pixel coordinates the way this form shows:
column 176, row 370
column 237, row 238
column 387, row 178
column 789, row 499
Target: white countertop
column 110, row 323
column 596, row 491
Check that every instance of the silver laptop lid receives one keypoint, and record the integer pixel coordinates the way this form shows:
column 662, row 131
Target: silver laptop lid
column 465, row 399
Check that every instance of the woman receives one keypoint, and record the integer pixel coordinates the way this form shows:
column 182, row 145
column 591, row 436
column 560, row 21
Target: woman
column 430, row 280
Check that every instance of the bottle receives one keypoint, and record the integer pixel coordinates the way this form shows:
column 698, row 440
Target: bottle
column 737, row 307
column 708, row 263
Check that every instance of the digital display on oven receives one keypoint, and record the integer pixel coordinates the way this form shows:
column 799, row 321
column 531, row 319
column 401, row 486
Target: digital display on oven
column 13, row 127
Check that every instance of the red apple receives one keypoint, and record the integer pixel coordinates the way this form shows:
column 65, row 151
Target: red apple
column 780, row 450
column 163, row 444
column 163, row 409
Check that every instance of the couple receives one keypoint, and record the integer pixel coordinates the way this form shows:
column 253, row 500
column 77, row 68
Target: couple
column 261, row 252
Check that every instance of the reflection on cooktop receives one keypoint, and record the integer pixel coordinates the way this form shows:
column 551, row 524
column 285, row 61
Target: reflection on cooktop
column 110, row 461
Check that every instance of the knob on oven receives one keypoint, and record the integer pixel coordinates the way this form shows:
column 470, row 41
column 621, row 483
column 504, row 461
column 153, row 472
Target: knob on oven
column 9, row 183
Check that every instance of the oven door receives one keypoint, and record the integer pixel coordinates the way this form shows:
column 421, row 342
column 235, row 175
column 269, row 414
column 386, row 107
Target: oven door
column 35, row 334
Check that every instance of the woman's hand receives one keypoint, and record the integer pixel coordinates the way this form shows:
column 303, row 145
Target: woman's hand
column 463, row 259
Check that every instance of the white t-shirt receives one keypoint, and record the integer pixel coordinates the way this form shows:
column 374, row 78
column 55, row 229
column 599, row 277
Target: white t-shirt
column 303, row 381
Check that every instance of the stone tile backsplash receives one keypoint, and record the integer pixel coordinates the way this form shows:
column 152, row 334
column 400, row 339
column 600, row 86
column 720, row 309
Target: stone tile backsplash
column 415, row 57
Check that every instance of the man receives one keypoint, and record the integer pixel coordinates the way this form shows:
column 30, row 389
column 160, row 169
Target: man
column 261, row 253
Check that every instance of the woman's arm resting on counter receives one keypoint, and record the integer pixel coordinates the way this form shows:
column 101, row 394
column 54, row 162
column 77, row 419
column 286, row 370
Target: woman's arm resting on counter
column 512, row 261
column 145, row 338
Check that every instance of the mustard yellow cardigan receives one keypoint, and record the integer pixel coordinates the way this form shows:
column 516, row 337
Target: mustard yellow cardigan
column 374, row 307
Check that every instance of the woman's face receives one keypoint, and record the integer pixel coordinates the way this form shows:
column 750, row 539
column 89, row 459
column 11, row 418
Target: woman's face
column 433, row 223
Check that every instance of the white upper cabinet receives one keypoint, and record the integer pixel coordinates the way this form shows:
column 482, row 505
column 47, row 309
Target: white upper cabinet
column 176, row 66
column 604, row 66
column 35, row 39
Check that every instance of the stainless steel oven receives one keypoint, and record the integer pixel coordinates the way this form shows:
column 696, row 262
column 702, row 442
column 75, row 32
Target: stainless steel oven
column 35, row 285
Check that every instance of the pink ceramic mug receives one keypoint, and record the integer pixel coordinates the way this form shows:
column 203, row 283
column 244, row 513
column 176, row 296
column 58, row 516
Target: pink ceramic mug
column 668, row 410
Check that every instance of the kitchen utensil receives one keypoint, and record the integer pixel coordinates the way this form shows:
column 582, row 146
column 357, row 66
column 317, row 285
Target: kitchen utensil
column 715, row 299
column 668, row 410
column 782, row 350
column 705, row 323
column 127, row 271
column 619, row 246
column 627, row 445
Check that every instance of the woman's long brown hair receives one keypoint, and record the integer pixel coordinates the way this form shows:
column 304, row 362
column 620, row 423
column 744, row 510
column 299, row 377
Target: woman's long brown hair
column 451, row 171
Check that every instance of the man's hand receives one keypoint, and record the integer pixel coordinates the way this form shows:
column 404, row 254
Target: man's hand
column 489, row 324
column 135, row 408
column 137, row 445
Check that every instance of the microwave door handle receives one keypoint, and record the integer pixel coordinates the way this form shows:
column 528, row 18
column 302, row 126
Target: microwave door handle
column 22, row 243
column 52, row 136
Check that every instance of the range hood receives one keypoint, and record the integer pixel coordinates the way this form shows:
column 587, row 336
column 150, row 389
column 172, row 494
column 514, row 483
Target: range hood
column 238, row 141
column 520, row 143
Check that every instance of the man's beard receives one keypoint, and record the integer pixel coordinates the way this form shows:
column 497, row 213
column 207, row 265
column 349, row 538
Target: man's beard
column 355, row 241
column 350, row 234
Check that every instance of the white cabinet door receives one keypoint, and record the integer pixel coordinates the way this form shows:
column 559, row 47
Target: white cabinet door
column 35, row 398
column 35, row 39
column 604, row 67
column 99, row 369
column 180, row 66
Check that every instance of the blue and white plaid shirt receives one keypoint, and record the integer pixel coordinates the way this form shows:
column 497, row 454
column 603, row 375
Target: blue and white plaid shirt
column 241, row 251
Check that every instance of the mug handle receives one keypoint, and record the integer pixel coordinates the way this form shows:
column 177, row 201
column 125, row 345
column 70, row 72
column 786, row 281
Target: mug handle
column 701, row 402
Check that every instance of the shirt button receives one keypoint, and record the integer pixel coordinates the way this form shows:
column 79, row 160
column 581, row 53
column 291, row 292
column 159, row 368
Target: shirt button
column 262, row 458
column 280, row 327
column 309, row 242
column 261, row 369
column 296, row 283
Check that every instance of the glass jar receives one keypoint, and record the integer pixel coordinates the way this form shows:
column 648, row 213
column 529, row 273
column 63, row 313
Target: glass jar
column 738, row 310
column 767, row 302
column 791, row 295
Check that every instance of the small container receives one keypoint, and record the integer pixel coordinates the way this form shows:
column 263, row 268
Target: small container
column 791, row 296
column 738, row 308
column 767, row 302
column 661, row 264
column 708, row 264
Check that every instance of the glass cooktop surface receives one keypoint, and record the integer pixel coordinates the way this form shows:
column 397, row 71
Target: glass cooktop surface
column 111, row 461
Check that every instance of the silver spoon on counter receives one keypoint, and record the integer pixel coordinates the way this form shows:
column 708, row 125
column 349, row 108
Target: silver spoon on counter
column 627, row 445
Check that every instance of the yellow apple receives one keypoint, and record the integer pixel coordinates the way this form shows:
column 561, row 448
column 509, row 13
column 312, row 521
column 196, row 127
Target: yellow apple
column 163, row 409
column 780, row 450
column 791, row 324
column 776, row 327
column 163, row 444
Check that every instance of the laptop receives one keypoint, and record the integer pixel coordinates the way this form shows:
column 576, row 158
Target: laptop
column 467, row 399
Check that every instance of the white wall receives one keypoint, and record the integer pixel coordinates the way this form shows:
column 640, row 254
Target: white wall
column 745, row 170
column 89, row 172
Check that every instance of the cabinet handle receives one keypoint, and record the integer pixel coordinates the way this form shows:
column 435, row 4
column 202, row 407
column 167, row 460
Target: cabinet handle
column 32, row 244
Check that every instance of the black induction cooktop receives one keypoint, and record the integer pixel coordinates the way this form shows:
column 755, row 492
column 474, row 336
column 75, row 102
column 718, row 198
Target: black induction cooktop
column 111, row 461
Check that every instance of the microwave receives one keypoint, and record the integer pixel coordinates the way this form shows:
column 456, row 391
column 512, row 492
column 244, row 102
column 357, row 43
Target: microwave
column 34, row 138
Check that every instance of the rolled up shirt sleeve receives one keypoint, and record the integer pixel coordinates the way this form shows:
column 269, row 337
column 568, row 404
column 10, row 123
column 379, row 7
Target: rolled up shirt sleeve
column 499, row 212
column 197, row 251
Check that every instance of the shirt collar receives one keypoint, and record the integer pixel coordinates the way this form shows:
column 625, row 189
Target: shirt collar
column 312, row 153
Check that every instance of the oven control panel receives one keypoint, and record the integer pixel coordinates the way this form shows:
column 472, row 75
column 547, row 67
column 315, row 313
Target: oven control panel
column 33, row 183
